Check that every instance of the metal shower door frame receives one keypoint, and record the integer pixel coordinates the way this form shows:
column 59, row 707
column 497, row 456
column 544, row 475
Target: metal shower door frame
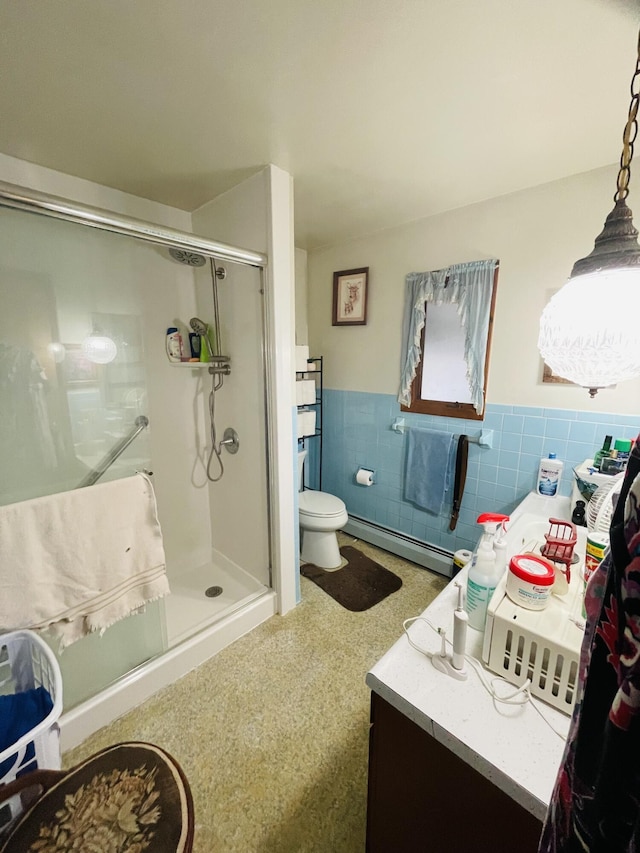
column 33, row 201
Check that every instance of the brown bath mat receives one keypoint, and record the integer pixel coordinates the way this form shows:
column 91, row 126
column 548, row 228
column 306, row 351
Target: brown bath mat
column 358, row 585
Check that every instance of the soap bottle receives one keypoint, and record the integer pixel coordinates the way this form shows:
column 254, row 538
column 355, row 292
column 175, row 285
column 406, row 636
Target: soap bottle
column 484, row 573
column 549, row 474
column 174, row 344
column 207, row 345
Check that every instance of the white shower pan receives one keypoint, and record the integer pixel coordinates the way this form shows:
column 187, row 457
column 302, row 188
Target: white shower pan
column 139, row 685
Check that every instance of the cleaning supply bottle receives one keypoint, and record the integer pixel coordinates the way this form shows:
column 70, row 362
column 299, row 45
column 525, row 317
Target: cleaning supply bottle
column 549, row 474
column 604, row 451
column 500, row 547
column 485, row 571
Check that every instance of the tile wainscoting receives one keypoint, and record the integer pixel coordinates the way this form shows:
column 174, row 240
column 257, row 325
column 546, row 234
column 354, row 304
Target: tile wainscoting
column 357, row 433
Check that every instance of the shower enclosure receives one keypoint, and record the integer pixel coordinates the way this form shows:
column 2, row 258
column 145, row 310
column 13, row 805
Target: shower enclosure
column 83, row 369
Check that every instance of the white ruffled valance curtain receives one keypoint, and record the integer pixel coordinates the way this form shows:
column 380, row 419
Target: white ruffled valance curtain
column 469, row 286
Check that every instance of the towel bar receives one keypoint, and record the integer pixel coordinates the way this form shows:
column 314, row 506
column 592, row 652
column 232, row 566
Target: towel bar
column 485, row 439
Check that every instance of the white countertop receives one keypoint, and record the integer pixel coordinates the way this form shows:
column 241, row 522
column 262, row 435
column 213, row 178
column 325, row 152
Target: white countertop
column 511, row 746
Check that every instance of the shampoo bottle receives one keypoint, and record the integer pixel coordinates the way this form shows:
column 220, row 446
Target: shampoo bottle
column 174, row 344
column 549, row 474
column 485, row 571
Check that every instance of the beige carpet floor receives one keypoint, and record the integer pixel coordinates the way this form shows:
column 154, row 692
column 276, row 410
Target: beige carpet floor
column 272, row 732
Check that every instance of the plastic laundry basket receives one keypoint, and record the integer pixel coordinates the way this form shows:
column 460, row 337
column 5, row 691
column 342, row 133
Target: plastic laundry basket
column 26, row 662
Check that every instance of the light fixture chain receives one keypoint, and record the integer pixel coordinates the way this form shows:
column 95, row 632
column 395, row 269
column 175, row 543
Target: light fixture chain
column 629, row 136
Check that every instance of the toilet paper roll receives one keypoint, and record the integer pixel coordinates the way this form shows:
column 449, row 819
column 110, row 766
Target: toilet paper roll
column 309, row 422
column 306, row 421
column 302, row 356
column 364, row 476
column 306, row 391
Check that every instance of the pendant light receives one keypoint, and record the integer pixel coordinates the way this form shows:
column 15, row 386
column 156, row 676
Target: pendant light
column 581, row 338
column 99, row 348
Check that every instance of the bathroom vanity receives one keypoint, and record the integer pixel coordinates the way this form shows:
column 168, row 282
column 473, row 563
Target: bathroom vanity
column 449, row 772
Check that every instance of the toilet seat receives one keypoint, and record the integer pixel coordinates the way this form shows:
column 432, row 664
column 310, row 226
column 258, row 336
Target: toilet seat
column 320, row 504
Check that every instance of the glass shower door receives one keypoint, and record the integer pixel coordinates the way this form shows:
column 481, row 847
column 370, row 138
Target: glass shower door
column 72, row 383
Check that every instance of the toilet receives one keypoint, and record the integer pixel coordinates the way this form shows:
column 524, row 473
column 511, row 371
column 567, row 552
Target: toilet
column 320, row 516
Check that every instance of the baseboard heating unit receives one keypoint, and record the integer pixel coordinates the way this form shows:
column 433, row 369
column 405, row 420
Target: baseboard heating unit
column 430, row 556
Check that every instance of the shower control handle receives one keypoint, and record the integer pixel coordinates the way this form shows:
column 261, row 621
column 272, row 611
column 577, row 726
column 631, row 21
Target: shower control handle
column 230, row 440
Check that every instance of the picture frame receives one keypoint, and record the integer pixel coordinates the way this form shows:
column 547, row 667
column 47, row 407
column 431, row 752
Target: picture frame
column 350, row 294
column 78, row 370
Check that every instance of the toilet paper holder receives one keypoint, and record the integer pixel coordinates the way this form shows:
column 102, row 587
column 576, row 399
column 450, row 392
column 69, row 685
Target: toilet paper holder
column 365, row 476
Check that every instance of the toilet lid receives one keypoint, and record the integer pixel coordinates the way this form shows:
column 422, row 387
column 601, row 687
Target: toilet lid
column 320, row 504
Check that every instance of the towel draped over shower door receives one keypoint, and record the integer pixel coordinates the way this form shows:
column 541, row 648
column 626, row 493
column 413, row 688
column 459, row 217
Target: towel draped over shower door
column 76, row 562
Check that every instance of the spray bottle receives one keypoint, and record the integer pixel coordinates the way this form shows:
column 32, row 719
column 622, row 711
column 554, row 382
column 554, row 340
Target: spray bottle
column 500, row 547
column 485, row 571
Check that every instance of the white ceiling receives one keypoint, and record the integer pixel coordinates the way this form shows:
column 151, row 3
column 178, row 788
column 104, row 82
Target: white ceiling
column 384, row 111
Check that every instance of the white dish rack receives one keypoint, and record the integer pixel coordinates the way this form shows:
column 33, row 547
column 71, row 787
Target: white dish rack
column 26, row 662
column 541, row 645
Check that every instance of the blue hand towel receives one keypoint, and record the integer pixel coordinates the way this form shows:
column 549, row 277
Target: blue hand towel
column 19, row 713
column 430, row 458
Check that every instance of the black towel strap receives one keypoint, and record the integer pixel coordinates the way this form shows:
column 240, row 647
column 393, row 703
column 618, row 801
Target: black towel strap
column 462, row 455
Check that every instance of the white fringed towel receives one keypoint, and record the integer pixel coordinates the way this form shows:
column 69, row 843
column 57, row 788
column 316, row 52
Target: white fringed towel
column 78, row 561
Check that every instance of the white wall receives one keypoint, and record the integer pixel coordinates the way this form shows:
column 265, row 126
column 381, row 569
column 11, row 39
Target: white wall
column 537, row 234
column 36, row 177
column 257, row 215
column 302, row 330
column 239, row 499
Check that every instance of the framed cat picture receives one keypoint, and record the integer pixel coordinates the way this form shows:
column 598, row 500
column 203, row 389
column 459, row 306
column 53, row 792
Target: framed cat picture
column 350, row 293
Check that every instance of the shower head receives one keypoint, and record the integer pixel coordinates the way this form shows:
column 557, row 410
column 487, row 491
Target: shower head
column 202, row 329
column 198, row 326
column 191, row 259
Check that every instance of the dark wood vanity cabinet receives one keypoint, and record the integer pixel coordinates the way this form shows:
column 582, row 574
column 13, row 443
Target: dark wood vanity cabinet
column 424, row 799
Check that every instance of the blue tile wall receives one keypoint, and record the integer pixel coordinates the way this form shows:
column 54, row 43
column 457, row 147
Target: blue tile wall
column 357, row 433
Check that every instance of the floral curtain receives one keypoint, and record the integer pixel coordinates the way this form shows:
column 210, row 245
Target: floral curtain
column 469, row 286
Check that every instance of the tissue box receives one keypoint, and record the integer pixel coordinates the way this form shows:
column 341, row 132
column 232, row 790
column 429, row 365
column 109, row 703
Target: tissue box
column 302, row 356
column 305, row 392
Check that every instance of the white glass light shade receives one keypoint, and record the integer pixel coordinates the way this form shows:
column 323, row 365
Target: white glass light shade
column 99, row 349
column 57, row 351
column 590, row 332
